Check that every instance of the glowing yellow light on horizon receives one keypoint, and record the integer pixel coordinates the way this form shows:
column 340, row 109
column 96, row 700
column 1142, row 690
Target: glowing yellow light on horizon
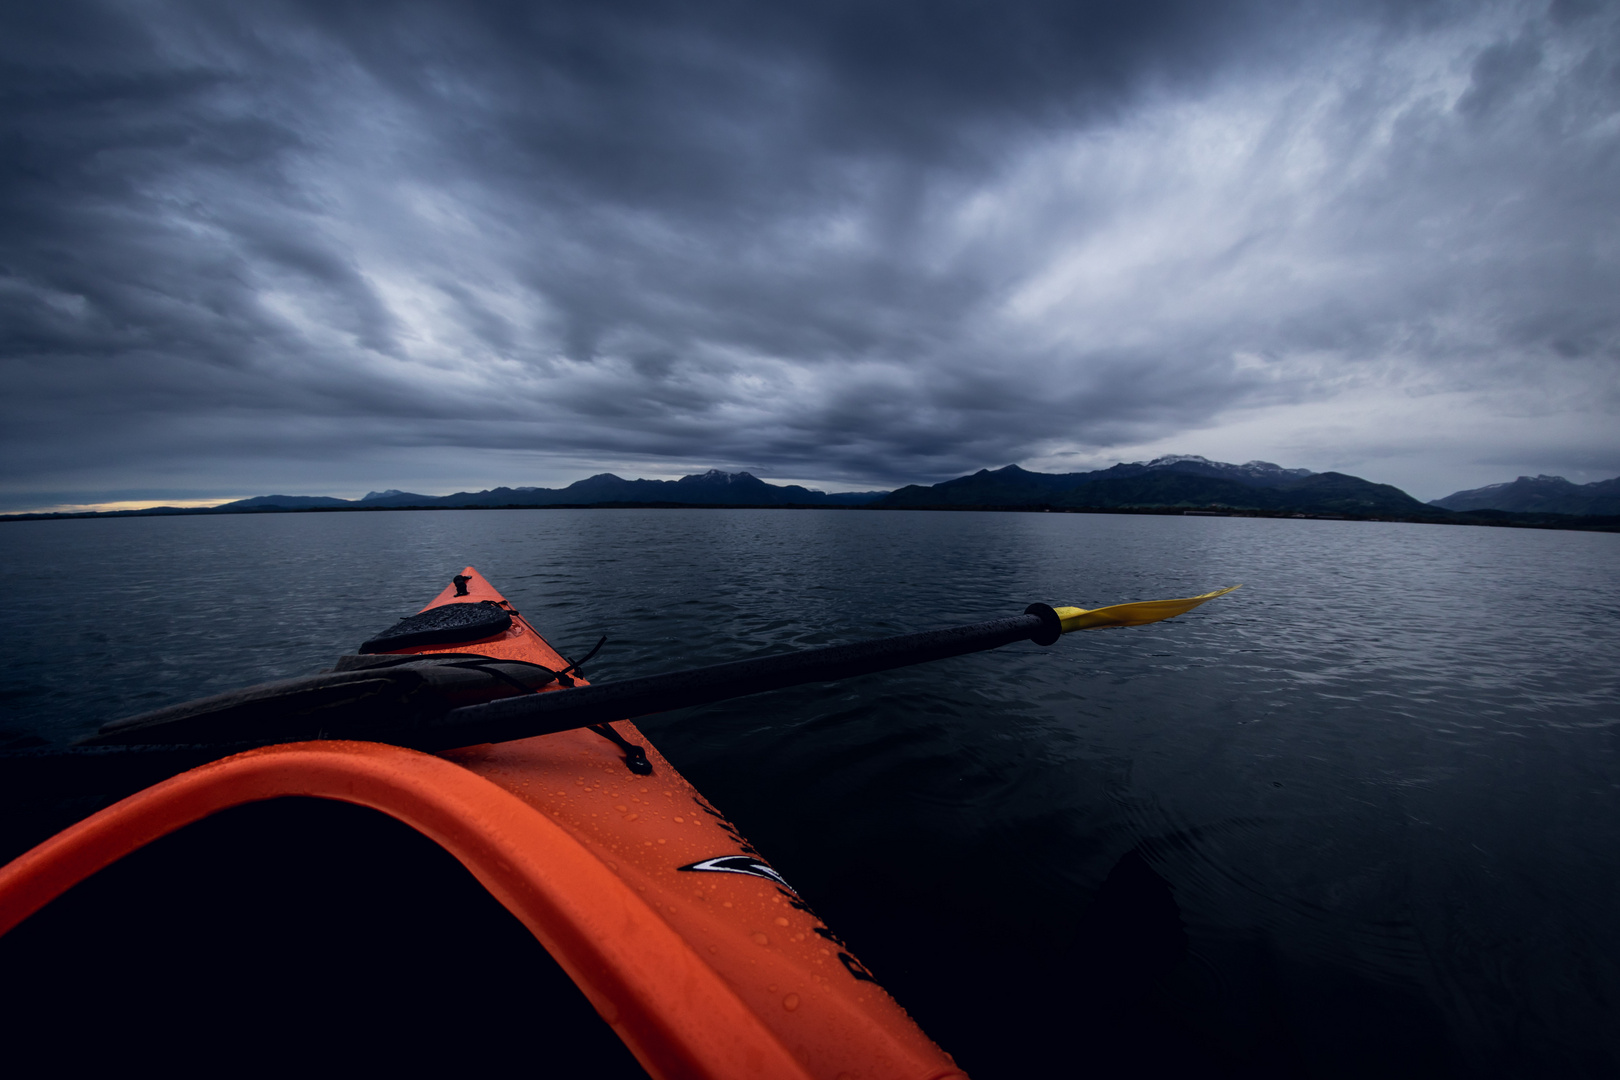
column 127, row 504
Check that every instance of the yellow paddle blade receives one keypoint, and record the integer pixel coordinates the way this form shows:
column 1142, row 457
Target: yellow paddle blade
column 1137, row 614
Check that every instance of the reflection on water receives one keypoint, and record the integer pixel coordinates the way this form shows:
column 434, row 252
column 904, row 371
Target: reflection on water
column 1377, row 787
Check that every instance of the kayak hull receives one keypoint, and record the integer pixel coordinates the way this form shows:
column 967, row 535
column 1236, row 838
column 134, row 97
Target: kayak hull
column 704, row 960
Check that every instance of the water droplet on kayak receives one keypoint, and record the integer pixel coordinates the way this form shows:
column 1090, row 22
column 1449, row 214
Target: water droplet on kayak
column 781, row 921
column 771, row 988
column 661, row 840
column 759, row 938
column 631, row 817
column 680, row 820
column 726, row 904
column 621, row 808
column 790, row 1002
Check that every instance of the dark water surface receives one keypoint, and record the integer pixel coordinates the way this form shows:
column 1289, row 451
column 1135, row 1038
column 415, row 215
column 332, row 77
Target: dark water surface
column 1380, row 781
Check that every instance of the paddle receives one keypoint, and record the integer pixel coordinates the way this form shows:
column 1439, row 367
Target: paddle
column 147, row 754
column 560, row 710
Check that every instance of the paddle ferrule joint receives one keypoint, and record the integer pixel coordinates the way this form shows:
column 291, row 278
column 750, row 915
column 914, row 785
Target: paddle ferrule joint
column 1051, row 624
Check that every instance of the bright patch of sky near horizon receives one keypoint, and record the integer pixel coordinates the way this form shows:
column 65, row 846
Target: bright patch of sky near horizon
column 324, row 249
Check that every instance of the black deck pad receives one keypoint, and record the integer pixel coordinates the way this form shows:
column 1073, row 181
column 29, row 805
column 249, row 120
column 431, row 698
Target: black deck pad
column 385, row 700
column 446, row 625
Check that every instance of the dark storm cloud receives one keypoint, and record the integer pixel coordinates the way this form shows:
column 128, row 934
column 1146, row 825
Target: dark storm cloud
column 349, row 245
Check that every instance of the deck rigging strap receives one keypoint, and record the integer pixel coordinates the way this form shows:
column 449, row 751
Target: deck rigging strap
column 635, row 757
column 574, row 665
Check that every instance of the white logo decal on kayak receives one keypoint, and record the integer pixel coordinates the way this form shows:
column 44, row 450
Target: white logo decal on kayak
column 739, row 864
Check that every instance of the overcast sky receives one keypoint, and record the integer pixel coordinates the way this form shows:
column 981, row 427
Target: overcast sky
column 322, row 248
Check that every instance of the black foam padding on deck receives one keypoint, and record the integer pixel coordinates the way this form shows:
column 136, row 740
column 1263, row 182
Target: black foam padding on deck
column 449, row 624
column 297, row 936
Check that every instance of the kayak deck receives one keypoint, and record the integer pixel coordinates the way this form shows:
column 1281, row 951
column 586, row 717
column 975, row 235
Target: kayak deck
column 702, row 958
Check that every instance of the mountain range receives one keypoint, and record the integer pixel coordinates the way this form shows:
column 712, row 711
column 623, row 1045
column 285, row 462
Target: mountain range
column 1177, row 480
column 1539, row 495
column 712, row 488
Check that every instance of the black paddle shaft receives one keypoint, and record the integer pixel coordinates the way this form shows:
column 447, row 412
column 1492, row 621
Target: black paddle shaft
column 560, row 710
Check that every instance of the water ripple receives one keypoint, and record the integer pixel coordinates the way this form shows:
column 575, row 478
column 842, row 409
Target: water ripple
column 1381, row 780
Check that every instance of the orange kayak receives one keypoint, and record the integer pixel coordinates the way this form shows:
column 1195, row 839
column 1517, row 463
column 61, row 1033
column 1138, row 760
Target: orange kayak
column 700, row 956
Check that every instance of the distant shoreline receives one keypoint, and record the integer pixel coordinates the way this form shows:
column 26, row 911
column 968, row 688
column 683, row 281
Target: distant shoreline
column 1489, row 518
